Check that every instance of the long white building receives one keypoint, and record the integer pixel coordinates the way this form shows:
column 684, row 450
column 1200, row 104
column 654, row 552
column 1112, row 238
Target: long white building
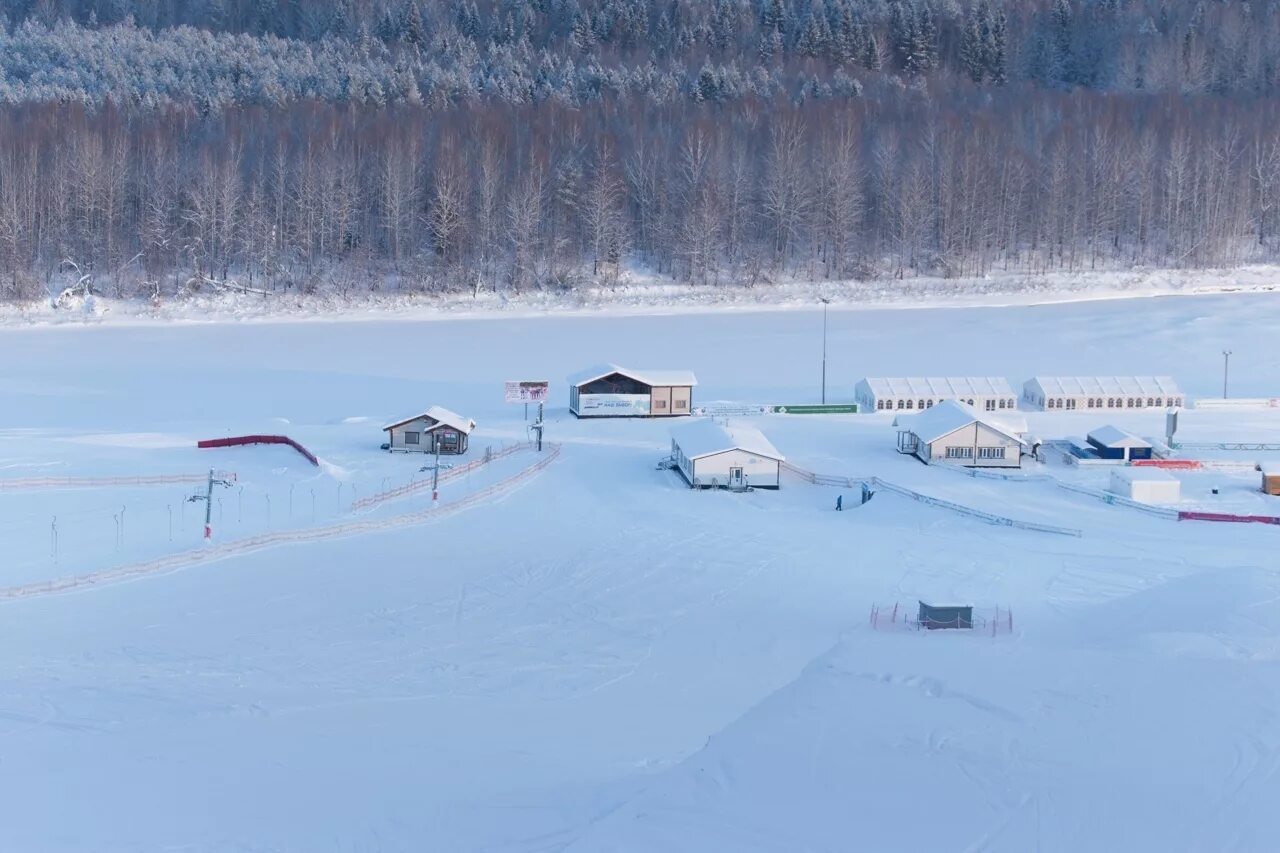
column 984, row 393
column 1091, row 393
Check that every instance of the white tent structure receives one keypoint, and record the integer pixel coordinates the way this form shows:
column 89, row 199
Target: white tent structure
column 710, row 455
column 985, row 393
column 1148, row 485
column 956, row 434
column 1101, row 392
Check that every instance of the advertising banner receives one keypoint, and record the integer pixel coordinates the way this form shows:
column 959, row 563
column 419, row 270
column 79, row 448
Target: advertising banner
column 613, row 405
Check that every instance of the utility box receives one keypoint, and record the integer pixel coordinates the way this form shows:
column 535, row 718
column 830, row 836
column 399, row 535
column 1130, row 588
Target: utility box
column 935, row 616
column 1271, row 478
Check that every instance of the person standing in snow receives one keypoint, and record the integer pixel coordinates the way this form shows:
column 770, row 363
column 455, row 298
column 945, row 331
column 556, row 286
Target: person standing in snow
column 839, row 503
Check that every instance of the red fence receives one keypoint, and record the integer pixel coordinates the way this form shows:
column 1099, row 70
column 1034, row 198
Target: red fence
column 1228, row 517
column 241, row 440
column 1174, row 464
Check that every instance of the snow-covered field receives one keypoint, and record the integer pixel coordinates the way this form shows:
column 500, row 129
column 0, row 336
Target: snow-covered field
column 598, row 659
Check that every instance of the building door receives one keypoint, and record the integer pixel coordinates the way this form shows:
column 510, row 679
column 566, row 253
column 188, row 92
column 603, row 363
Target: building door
column 735, row 477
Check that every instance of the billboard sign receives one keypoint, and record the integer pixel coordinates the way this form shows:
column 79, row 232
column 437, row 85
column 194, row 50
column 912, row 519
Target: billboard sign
column 528, row 391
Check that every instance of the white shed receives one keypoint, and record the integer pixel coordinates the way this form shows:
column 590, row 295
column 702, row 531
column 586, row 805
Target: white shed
column 1148, row 485
column 956, row 434
column 985, row 393
column 1071, row 393
column 610, row 391
column 710, row 456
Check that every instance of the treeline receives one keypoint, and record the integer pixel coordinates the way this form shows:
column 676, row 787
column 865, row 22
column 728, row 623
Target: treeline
column 442, row 53
column 492, row 197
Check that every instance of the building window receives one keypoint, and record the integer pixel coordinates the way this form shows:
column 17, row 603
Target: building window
column 879, row 405
column 1151, row 401
column 682, row 404
column 412, row 438
column 959, row 452
column 902, row 404
column 1159, row 401
column 1111, row 402
column 1071, row 402
column 1130, row 402
column 990, row 405
column 990, row 452
column 920, row 405
column 911, row 404
column 930, row 406
column 660, row 404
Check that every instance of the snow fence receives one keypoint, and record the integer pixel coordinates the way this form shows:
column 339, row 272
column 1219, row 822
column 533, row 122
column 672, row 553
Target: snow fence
column 445, row 476
column 920, row 497
column 242, row 440
column 214, row 553
column 24, row 483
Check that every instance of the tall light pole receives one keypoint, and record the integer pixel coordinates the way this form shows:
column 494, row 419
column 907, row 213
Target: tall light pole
column 825, row 303
column 1226, row 365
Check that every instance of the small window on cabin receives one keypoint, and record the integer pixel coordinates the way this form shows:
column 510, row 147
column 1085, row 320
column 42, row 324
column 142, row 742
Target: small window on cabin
column 412, row 438
column 921, row 406
column 902, row 404
column 879, row 405
column 659, row 404
column 682, row 404
column 911, row 404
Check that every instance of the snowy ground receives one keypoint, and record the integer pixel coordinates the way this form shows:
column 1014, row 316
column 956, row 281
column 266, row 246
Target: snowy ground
column 601, row 659
column 641, row 291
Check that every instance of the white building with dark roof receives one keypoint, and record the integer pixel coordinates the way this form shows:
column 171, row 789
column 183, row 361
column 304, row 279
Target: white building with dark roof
column 611, row 391
column 985, row 393
column 954, row 433
column 710, row 455
column 1073, row 393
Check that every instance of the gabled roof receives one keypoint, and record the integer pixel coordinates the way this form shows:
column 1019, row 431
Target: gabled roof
column 442, row 417
column 704, row 437
column 947, row 417
column 1114, row 437
column 647, row 377
column 939, row 386
column 1069, row 386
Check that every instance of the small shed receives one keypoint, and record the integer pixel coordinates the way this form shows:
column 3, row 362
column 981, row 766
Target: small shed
column 709, row 455
column 1111, row 442
column 935, row 616
column 955, row 434
column 1270, row 478
column 1091, row 393
column 437, row 430
column 1148, row 485
column 984, row 393
column 610, row 391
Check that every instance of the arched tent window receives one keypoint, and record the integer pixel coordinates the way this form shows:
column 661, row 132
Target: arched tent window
column 911, row 404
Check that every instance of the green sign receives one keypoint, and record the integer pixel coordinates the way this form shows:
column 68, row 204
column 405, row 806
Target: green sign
column 832, row 409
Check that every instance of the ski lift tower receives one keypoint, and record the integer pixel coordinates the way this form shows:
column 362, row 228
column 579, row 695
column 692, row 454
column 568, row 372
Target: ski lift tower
column 435, row 474
column 207, row 497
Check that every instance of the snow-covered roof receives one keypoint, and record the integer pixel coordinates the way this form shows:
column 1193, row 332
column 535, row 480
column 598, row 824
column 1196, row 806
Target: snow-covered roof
column 646, row 376
column 442, row 417
column 1144, row 474
column 1073, row 386
column 939, row 386
column 1114, row 437
column 705, row 437
column 947, row 417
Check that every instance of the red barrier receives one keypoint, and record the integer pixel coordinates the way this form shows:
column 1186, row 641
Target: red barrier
column 1228, row 517
column 241, row 440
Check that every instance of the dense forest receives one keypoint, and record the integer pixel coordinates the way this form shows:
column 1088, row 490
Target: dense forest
column 163, row 146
